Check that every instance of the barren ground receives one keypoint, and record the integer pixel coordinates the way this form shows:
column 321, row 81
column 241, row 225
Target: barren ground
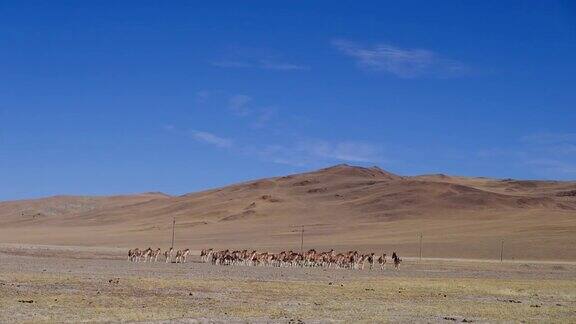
column 59, row 284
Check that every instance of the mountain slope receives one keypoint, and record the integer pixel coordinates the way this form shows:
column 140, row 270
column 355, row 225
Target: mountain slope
column 58, row 206
column 343, row 207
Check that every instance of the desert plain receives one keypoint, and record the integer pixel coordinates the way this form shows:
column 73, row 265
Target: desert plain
column 64, row 258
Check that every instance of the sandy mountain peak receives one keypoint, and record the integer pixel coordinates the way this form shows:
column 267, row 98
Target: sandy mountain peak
column 358, row 171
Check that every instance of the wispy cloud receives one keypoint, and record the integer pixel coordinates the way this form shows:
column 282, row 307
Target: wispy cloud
column 554, row 144
column 201, row 136
column 545, row 154
column 238, row 104
column 242, row 105
column 263, row 117
column 256, row 58
column 404, row 63
column 553, row 154
column 343, row 151
column 259, row 64
column 202, row 96
column 312, row 152
column 231, row 64
column 281, row 66
column 276, row 143
column 304, row 152
column 553, row 167
column 210, row 138
column 550, row 138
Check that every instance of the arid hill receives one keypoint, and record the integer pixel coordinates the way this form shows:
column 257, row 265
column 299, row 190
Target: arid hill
column 342, row 207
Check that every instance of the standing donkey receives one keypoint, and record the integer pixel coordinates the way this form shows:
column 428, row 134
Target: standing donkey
column 168, row 255
column 396, row 260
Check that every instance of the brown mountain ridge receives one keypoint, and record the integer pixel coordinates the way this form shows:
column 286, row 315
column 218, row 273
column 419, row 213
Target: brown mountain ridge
column 342, row 207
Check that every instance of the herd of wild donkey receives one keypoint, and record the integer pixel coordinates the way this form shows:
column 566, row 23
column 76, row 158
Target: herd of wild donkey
column 311, row 258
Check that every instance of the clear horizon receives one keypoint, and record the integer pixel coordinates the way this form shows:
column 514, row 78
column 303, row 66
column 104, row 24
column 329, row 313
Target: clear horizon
column 103, row 98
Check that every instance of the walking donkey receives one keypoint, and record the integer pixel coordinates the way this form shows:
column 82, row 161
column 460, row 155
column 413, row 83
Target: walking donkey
column 168, row 255
column 396, row 260
column 206, row 254
column 181, row 255
column 134, row 255
column 155, row 254
column 145, row 255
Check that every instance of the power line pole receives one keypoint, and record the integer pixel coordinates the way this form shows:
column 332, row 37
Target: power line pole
column 502, row 251
column 420, row 252
column 302, row 242
column 173, row 225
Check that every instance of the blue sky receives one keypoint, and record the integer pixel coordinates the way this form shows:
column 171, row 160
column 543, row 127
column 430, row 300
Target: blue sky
column 107, row 97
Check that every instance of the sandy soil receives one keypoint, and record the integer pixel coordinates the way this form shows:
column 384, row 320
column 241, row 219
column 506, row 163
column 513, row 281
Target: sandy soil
column 71, row 284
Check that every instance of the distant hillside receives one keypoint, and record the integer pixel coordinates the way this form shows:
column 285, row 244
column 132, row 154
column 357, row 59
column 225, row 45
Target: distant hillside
column 344, row 207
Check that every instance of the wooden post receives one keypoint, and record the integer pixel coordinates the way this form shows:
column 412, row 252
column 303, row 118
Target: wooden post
column 173, row 225
column 420, row 252
column 502, row 251
column 302, row 242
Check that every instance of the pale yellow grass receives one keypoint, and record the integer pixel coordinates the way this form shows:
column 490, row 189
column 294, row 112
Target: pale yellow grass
column 67, row 297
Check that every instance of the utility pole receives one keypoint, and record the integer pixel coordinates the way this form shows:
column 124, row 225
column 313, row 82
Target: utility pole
column 301, row 228
column 173, row 225
column 302, row 242
column 502, row 251
column 420, row 252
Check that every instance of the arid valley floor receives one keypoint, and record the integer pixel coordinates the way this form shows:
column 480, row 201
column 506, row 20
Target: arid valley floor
column 64, row 258
column 72, row 284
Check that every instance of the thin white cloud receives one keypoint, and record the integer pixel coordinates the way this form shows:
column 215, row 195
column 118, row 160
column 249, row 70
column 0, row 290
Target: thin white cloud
column 308, row 152
column 260, row 64
column 565, row 149
column 342, row 151
column 280, row 66
column 263, row 117
column 315, row 152
column 553, row 144
column 200, row 136
column 210, row 138
column 231, row 64
column 550, row 138
column 553, row 167
column 239, row 104
column 202, row 96
column 404, row 63
column 169, row 128
column 242, row 57
column 552, row 154
column 548, row 155
column 275, row 146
